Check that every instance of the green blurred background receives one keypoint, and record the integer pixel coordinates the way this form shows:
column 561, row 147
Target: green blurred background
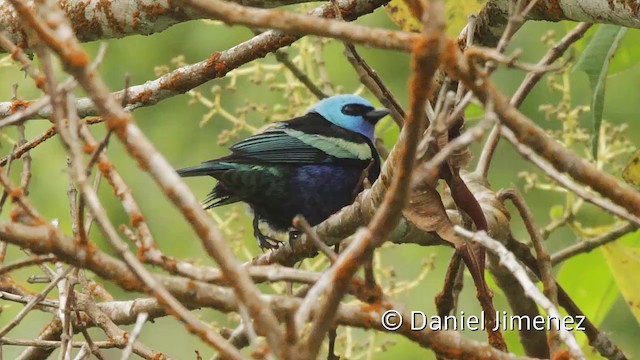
column 174, row 127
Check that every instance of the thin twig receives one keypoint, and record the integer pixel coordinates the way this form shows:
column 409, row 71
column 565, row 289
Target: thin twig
column 53, row 344
column 32, row 303
column 133, row 335
column 565, row 181
column 120, row 337
column 18, row 54
column 588, row 245
column 84, row 353
column 26, row 162
column 26, row 262
column 544, row 260
column 370, row 78
column 525, row 87
column 508, row 260
column 283, row 57
column 301, row 223
column 5, row 194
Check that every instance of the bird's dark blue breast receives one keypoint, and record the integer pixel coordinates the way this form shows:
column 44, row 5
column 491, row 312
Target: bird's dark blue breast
column 315, row 191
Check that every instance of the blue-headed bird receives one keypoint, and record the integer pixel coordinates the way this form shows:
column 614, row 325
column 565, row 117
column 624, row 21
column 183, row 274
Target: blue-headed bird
column 312, row 165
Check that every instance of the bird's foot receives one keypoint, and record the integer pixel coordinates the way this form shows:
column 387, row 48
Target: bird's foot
column 264, row 241
column 267, row 242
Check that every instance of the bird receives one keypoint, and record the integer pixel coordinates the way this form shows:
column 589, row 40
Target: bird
column 311, row 165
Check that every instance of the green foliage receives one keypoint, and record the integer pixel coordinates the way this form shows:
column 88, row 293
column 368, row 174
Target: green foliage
column 593, row 290
column 594, row 61
column 624, row 262
column 628, row 54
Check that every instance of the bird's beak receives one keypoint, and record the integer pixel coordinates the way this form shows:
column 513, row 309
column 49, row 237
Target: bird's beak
column 376, row 114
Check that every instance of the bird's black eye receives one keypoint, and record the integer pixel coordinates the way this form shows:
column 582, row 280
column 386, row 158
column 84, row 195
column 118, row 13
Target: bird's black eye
column 356, row 109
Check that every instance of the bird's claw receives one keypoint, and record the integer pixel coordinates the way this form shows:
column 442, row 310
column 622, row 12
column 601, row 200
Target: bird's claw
column 267, row 242
column 264, row 241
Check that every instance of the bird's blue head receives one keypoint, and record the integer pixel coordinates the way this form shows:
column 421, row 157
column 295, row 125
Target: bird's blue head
column 351, row 112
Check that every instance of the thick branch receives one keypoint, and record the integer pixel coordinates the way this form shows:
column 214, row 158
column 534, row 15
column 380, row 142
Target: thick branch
column 98, row 20
column 494, row 16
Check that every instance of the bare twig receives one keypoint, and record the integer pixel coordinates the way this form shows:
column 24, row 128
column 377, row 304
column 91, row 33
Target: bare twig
column 126, row 353
column 588, row 245
column 26, row 262
column 23, row 149
column 5, row 195
column 370, row 78
column 32, row 303
column 84, row 353
column 18, row 54
column 121, row 338
column 302, row 224
column 509, row 261
column 525, row 87
column 544, row 260
column 565, row 181
column 53, row 344
column 283, row 57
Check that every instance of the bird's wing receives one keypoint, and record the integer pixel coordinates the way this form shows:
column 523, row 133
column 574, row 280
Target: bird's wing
column 288, row 142
column 275, row 146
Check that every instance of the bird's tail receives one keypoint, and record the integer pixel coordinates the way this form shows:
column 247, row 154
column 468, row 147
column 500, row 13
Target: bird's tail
column 208, row 168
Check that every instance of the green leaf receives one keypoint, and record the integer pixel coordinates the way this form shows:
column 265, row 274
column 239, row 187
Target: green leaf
column 594, row 61
column 628, row 53
column 587, row 279
column 624, row 262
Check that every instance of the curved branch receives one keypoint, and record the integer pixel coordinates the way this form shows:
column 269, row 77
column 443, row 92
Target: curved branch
column 99, row 20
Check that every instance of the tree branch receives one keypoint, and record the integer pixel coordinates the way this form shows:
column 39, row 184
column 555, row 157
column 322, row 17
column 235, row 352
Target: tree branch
column 98, row 20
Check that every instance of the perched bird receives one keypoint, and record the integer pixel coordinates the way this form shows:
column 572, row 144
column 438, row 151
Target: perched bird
column 312, row 165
